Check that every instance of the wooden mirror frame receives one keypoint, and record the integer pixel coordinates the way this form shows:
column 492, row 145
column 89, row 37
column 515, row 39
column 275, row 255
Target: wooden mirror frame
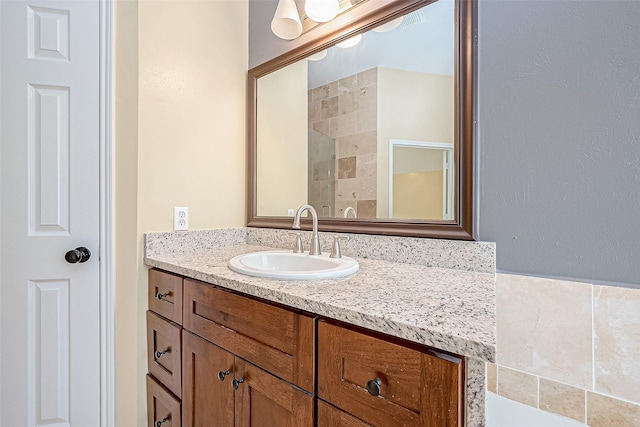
column 460, row 228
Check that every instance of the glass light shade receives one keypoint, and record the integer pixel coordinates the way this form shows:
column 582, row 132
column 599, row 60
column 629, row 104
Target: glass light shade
column 389, row 26
column 321, row 10
column 318, row 56
column 286, row 21
column 350, row 42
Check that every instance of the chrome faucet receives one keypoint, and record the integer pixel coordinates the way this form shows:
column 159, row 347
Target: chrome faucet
column 349, row 209
column 315, row 241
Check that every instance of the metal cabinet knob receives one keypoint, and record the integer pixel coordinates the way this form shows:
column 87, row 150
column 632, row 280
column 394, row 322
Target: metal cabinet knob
column 373, row 386
column 160, row 297
column 160, row 422
column 236, row 383
column 78, row 255
column 223, row 374
column 157, row 354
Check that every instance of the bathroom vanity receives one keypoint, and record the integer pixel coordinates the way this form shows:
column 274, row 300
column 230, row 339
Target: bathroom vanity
column 394, row 344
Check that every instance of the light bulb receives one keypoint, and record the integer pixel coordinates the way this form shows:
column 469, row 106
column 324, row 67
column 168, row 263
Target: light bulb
column 350, row 42
column 318, row 56
column 388, row 26
column 321, row 10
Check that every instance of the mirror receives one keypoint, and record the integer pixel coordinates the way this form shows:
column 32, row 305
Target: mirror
column 377, row 136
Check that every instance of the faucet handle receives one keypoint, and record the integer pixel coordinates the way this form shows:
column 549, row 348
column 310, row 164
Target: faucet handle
column 297, row 249
column 335, row 249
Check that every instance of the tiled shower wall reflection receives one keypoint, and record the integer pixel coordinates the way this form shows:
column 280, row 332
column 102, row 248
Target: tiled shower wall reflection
column 322, row 184
column 568, row 348
column 345, row 111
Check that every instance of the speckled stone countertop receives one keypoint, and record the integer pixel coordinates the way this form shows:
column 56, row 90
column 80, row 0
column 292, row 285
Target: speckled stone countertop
column 452, row 310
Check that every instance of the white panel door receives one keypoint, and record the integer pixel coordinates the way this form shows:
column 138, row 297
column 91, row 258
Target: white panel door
column 49, row 200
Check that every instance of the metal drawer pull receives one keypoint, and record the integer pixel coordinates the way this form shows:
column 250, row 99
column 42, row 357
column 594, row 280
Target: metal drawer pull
column 162, row 421
column 236, row 383
column 373, row 387
column 222, row 374
column 160, row 297
column 157, row 354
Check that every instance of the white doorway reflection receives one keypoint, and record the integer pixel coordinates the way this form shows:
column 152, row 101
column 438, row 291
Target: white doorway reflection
column 421, row 180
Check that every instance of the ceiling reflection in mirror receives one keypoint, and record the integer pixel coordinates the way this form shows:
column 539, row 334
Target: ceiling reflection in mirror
column 366, row 131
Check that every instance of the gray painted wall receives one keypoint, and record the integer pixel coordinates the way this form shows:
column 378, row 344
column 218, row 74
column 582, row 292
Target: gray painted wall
column 558, row 134
column 263, row 44
column 559, row 137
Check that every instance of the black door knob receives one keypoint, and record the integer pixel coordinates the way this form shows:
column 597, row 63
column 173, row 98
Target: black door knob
column 79, row 254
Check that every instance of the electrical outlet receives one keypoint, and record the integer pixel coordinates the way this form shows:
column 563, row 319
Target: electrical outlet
column 180, row 219
column 289, row 212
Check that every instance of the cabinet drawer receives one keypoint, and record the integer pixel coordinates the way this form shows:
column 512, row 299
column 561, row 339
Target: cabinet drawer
column 415, row 388
column 165, row 295
column 164, row 352
column 275, row 339
column 162, row 406
column 329, row 416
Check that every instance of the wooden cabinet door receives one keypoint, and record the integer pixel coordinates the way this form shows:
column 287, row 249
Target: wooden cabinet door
column 263, row 400
column 207, row 400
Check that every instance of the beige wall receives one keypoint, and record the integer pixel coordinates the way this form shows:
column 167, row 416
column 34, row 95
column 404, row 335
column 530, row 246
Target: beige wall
column 126, row 185
column 417, row 195
column 283, row 135
column 417, row 183
column 191, row 100
column 411, row 106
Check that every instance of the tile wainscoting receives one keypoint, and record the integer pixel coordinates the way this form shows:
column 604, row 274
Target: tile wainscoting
column 568, row 348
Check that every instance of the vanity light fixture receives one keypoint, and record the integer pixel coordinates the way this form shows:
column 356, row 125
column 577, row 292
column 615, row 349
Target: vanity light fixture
column 389, row 26
column 350, row 42
column 318, row 56
column 286, row 21
column 321, row 10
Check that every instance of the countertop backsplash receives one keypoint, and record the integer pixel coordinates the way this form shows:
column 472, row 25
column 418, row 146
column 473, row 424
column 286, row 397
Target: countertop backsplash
column 471, row 256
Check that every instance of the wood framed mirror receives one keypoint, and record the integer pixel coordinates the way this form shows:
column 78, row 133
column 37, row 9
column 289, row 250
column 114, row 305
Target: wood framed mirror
column 390, row 139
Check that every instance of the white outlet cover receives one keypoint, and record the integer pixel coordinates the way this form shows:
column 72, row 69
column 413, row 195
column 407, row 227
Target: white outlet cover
column 180, row 218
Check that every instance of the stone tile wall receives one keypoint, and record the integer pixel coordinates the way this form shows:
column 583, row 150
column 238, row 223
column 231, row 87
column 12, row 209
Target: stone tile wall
column 346, row 110
column 321, row 179
column 568, row 348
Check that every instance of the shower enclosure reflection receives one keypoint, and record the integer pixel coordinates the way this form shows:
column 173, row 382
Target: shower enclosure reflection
column 322, row 185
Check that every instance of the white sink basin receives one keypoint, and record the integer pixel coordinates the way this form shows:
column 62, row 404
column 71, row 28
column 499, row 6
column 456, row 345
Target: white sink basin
column 292, row 266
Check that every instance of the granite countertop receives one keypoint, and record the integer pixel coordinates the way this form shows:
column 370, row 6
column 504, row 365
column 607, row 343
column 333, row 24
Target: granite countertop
column 448, row 309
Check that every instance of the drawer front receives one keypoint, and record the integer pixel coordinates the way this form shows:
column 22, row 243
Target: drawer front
column 163, row 409
column 165, row 295
column 164, row 352
column 275, row 339
column 387, row 384
column 329, row 416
